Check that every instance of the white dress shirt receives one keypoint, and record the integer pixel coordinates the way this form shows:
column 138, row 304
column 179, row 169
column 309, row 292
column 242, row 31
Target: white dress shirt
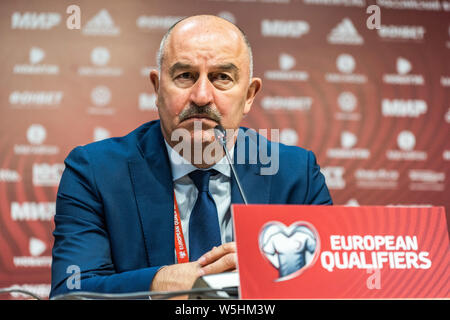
column 186, row 192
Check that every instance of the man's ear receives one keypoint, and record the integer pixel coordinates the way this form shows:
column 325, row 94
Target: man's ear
column 154, row 79
column 253, row 88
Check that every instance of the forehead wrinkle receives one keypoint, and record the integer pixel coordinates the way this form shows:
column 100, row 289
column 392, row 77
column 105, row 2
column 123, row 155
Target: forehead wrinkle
column 202, row 48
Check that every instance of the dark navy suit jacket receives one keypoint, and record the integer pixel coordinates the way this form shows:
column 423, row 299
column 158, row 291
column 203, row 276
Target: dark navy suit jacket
column 114, row 208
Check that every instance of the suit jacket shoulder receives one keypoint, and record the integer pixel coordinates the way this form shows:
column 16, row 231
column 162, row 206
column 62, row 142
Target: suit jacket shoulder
column 292, row 172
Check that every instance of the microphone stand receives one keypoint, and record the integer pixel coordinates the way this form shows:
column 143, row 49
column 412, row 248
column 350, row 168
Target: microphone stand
column 221, row 136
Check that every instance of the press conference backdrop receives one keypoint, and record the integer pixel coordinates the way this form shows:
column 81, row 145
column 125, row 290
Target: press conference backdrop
column 373, row 104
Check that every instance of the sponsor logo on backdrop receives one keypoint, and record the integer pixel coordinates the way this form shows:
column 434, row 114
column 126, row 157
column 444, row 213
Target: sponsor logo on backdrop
column 147, row 102
column 35, row 99
column 101, row 97
column 284, row 28
column 286, row 103
column 402, row 76
column 426, row 180
column 101, row 24
column 36, row 247
column 346, row 3
column 347, row 103
column 445, row 81
column 446, row 155
column 421, row 5
column 35, row 20
column 47, row 175
column 101, row 134
column 157, row 22
column 35, row 56
column 399, row 33
column 334, row 177
column 9, row 175
column 41, row 290
column 406, row 142
column 346, row 64
column 392, row 32
column 403, row 108
column 348, row 141
column 100, row 57
column 376, row 178
column 345, row 33
column 32, row 211
column 36, row 135
column 289, row 136
column 286, row 62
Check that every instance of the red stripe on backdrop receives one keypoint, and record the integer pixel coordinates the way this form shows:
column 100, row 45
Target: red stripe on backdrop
column 437, row 256
column 358, row 283
column 395, row 286
column 442, row 274
column 7, row 243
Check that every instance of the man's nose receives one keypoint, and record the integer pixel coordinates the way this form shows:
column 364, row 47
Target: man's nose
column 202, row 92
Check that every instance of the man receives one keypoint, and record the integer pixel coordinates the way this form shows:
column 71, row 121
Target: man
column 118, row 198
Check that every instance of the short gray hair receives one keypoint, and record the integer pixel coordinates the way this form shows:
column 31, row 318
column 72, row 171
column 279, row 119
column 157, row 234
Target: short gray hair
column 162, row 47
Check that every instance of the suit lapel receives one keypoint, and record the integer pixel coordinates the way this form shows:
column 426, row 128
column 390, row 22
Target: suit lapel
column 153, row 188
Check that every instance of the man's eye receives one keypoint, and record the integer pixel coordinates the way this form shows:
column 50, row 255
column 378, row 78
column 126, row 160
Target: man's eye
column 221, row 81
column 222, row 77
column 185, row 75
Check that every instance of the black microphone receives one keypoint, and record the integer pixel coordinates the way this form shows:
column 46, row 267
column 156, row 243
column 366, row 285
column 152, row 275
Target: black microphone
column 221, row 136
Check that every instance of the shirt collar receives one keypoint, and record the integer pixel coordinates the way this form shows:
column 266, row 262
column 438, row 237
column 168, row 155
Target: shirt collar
column 181, row 167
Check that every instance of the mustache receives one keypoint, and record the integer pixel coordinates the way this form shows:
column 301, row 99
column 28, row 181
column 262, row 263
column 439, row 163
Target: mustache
column 194, row 110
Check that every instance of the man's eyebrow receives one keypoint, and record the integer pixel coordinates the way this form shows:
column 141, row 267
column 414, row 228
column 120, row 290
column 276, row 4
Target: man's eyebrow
column 231, row 67
column 228, row 67
column 178, row 66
